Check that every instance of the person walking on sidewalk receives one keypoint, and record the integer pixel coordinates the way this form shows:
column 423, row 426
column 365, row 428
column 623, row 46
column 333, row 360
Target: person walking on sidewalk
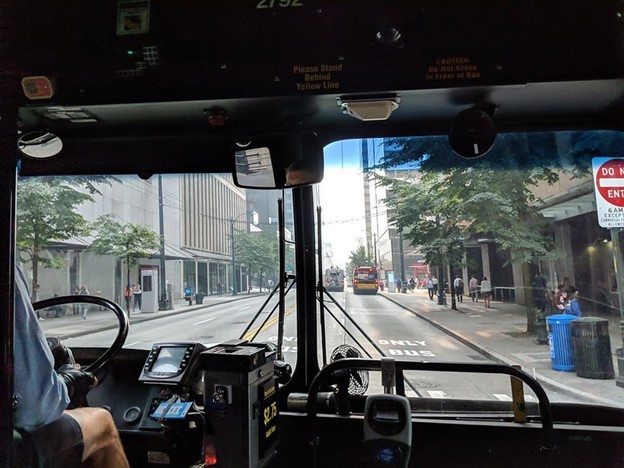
column 138, row 295
column 35, row 298
column 486, row 291
column 458, row 285
column 539, row 291
column 128, row 293
column 473, row 286
column 430, row 287
column 85, row 308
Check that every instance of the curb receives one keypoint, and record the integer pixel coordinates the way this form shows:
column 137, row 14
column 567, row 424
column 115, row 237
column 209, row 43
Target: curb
column 499, row 358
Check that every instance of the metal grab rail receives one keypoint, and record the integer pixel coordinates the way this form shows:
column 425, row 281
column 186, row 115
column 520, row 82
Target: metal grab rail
column 374, row 364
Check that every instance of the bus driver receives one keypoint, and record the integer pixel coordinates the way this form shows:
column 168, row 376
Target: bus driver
column 41, row 396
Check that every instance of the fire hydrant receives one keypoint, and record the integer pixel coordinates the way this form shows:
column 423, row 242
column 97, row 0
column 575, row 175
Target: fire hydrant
column 540, row 327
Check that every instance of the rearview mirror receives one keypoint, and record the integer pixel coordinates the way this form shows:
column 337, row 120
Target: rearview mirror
column 40, row 145
column 278, row 161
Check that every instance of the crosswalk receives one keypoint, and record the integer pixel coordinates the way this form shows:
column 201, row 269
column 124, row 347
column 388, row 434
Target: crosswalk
column 441, row 394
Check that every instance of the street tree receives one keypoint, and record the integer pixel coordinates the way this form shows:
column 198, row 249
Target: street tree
column 46, row 212
column 446, row 200
column 358, row 257
column 258, row 252
column 125, row 241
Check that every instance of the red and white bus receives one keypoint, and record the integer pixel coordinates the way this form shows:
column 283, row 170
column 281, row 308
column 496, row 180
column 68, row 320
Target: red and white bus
column 365, row 280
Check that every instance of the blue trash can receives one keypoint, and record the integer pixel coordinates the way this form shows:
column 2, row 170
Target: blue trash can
column 560, row 341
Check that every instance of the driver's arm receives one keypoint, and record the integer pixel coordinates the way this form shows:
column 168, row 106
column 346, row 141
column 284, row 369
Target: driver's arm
column 40, row 394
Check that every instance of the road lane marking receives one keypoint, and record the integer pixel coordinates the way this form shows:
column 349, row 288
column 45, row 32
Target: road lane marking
column 436, row 394
column 243, row 308
column 505, row 397
column 130, row 344
column 204, row 321
column 250, row 334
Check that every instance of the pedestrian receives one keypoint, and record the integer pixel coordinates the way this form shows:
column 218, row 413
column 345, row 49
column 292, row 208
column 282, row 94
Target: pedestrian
column 398, row 283
column 219, row 289
column 76, row 305
column 539, row 291
column 35, row 298
column 561, row 289
column 137, row 293
column 573, row 307
column 57, row 309
column 473, row 286
column 85, row 308
column 412, row 284
column 486, row 291
column 458, row 285
column 128, row 293
column 561, row 300
column 430, row 287
column 434, row 280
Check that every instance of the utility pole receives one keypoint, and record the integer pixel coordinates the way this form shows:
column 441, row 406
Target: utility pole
column 163, row 303
column 234, row 292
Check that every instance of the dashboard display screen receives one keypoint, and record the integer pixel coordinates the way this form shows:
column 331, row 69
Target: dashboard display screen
column 169, row 359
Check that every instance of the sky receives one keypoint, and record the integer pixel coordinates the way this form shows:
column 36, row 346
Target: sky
column 342, row 201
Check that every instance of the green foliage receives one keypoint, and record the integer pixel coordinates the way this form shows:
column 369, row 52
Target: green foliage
column 46, row 211
column 358, row 257
column 257, row 251
column 125, row 241
column 449, row 199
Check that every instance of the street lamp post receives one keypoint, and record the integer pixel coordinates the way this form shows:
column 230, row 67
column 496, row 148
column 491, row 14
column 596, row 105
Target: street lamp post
column 163, row 303
column 234, row 292
column 234, row 288
column 375, row 247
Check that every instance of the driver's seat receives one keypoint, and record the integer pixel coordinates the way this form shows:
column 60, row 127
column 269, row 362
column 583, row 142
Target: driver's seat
column 22, row 450
column 35, row 448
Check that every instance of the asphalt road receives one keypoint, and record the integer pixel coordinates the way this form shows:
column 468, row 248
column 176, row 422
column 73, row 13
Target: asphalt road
column 390, row 329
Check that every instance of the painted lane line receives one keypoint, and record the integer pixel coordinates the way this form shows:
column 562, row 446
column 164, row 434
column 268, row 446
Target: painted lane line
column 436, row 394
column 204, row 321
column 243, row 308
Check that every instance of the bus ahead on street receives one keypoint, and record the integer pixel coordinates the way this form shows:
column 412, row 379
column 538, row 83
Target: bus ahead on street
column 365, row 280
column 334, row 279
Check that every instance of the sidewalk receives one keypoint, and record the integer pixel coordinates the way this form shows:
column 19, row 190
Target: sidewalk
column 70, row 325
column 499, row 334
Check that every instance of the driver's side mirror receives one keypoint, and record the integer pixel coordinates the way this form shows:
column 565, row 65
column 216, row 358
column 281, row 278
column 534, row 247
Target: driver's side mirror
column 278, row 161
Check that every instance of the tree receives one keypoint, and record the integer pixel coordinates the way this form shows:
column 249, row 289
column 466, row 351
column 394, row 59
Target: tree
column 46, row 211
column 258, row 252
column 125, row 241
column 358, row 257
column 451, row 199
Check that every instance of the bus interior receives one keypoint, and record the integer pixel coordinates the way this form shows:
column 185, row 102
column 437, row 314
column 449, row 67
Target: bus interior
column 254, row 91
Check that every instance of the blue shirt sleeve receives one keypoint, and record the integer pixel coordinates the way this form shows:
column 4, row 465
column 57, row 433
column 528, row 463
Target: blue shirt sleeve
column 573, row 308
column 40, row 394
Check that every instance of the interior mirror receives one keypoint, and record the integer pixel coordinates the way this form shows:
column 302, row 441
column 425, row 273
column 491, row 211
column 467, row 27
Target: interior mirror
column 40, row 145
column 278, row 161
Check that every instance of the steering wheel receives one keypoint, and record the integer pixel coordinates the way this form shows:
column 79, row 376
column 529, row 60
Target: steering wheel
column 122, row 319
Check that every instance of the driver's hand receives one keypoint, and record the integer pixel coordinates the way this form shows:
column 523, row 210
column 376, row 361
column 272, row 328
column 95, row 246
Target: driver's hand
column 78, row 383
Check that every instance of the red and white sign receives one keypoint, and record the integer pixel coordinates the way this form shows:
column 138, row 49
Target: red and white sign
column 609, row 189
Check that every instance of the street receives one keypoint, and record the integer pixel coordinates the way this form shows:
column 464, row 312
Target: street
column 395, row 331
